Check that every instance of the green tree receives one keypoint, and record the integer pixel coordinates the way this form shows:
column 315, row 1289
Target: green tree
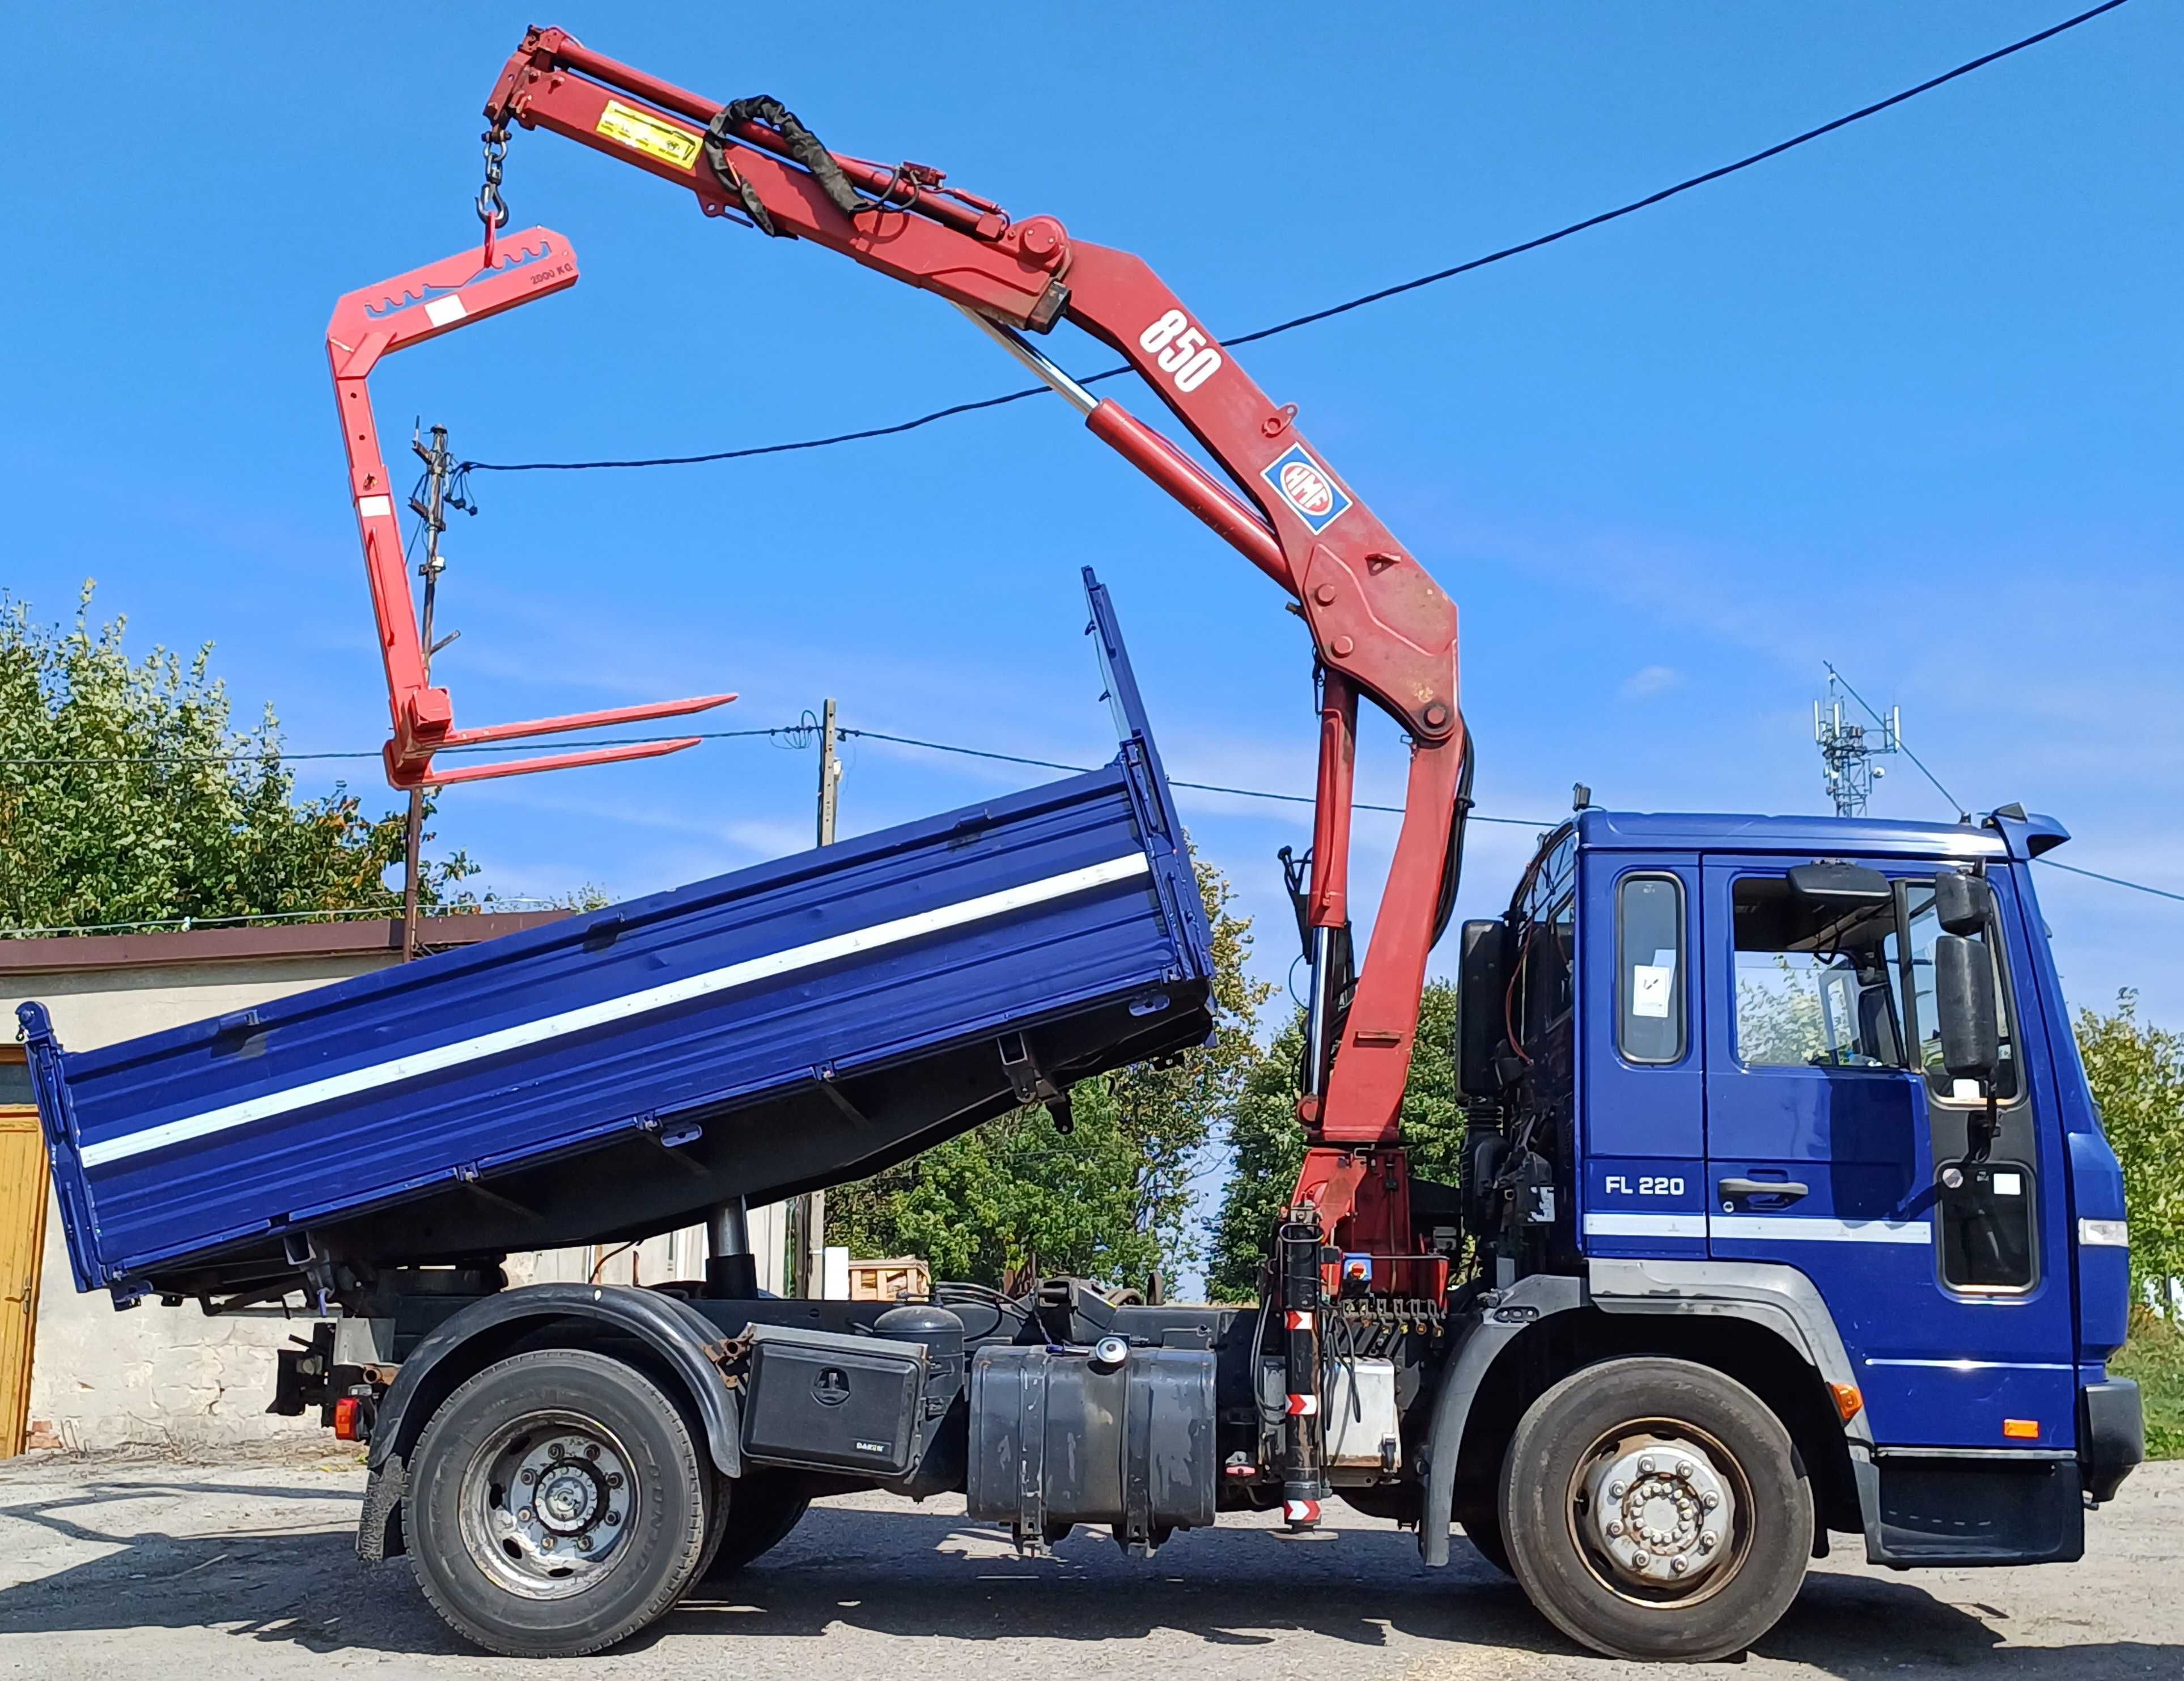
column 126, row 799
column 1014, row 1201
column 2136, row 1071
column 1268, row 1145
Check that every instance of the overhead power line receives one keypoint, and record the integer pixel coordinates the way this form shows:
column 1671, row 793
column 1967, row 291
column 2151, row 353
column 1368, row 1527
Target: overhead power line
column 1600, row 219
column 1173, row 782
column 2113, row 881
column 804, row 731
column 800, row 732
column 1964, row 816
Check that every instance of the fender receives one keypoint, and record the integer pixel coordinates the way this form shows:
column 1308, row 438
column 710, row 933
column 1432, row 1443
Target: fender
column 1513, row 1312
column 1779, row 1298
column 684, row 1338
column 1768, row 1293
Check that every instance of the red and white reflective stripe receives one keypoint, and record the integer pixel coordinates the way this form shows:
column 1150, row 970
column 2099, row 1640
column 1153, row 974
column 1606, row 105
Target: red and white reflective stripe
column 1303, row 1406
column 1298, row 1319
column 1300, row 1512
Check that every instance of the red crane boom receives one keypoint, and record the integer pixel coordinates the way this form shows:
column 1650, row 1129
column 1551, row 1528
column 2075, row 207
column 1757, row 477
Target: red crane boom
column 1382, row 628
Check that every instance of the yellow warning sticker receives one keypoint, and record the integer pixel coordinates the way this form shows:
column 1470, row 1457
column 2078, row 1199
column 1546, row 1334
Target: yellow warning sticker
column 645, row 133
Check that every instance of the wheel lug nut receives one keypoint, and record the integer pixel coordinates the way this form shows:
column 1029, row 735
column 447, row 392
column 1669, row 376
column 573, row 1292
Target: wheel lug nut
column 1686, row 1470
column 526, row 1516
column 554, row 1450
column 1615, row 1527
column 1638, row 1561
column 1710, row 1499
column 546, row 1544
column 1645, row 1468
column 529, row 1478
column 584, row 1543
column 591, row 1450
column 1617, row 1491
column 1708, row 1541
column 1680, row 1565
column 614, row 1479
column 613, row 1517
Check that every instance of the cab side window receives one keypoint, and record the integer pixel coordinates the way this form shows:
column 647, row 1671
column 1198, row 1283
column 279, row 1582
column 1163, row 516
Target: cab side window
column 1649, row 963
column 1814, row 983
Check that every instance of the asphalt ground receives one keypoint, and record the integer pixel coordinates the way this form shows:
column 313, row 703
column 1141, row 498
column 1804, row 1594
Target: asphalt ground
column 138, row 1569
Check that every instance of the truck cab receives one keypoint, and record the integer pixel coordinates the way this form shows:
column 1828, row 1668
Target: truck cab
column 1799, row 1097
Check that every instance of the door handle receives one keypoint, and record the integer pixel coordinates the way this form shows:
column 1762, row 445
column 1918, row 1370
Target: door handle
column 1788, row 1189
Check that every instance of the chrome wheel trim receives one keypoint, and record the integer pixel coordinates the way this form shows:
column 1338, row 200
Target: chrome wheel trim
column 547, row 1504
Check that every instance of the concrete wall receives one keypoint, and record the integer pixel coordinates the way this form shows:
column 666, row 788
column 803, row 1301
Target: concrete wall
column 154, row 1374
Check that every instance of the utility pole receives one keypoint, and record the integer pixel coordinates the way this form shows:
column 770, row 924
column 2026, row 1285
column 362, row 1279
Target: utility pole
column 830, row 776
column 1848, row 750
column 807, row 1215
column 429, row 502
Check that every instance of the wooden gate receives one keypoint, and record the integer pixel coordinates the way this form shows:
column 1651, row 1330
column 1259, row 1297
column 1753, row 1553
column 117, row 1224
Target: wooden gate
column 22, row 1244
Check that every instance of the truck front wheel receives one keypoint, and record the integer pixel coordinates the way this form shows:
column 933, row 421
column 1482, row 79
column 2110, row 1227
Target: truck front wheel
column 557, row 1504
column 1653, row 1509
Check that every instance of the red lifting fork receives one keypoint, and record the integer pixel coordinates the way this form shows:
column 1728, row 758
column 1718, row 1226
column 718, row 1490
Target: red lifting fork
column 373, row 323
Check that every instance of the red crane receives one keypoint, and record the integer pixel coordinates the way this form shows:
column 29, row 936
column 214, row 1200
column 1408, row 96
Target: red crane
column 1382, row 628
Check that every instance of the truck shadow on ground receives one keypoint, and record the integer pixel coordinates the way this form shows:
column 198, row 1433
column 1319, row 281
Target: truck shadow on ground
column 290, row 1575
column 841, row 1568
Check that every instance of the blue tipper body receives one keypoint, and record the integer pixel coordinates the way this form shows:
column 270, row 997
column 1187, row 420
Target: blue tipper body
column 786, row 1027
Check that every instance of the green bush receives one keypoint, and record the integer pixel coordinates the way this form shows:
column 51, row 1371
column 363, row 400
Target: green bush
column 2136, row 1073
column 127, row 798
column 2154, row 1357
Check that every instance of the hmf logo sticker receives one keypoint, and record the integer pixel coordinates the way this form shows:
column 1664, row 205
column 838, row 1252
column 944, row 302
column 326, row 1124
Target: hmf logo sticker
column 1307, row 487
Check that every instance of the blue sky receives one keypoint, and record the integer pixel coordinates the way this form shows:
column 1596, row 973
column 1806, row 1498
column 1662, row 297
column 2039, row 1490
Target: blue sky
column 1906, row 399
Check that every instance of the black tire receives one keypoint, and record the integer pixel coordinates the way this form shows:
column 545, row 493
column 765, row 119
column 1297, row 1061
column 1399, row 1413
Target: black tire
column 623, row 1541
column 1570, row 1439
column 762, row 1507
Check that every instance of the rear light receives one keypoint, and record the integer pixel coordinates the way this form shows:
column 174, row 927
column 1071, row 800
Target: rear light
column 350, row 1423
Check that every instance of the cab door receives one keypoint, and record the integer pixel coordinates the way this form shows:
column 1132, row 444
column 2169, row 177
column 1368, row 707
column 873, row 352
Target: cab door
column 1831, row 1148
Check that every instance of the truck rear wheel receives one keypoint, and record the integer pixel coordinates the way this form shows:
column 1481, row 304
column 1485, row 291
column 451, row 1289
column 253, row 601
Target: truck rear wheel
column 1653, row 1509
column 557, row 1504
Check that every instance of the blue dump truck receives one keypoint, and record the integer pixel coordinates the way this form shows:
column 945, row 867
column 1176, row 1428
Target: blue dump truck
column 1786, row 1216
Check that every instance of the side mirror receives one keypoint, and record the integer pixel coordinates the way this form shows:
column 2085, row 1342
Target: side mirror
column 1964, row 1002
column 1962, row 904
column 1482, row 982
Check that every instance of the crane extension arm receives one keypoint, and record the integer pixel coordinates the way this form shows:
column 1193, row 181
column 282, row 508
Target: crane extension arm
column 1382, row 628
column 368, row 326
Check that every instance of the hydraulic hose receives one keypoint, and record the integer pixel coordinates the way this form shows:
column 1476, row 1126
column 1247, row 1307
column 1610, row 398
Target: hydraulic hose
column 803, row 145
column 1451, row 874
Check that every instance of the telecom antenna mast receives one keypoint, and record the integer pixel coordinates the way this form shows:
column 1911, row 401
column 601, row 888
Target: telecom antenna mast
column 1848, row 750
